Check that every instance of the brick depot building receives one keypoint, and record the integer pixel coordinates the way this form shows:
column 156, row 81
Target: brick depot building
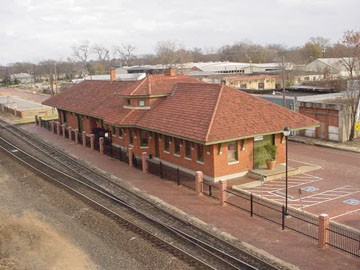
column 185, row 123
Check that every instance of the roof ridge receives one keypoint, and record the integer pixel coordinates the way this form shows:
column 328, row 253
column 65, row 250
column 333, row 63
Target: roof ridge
column 127, row 116
column 140, row 84
column 214, row 113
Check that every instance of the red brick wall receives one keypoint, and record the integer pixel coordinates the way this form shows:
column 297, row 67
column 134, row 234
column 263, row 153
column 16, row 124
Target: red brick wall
column 245, row 158
column 214, row 165
column 71, row 119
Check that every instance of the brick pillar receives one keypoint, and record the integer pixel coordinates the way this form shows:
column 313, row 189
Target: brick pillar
column 36, row 120
column 58, row 127
column 131, row 157
column 199, row 176
column 84, row 138
column 222, row 192
column 63, row 130
column 69, row 130
column 101, row 145
column 76, row 135
column 52, row 126
column 323, row 232
column 92, row 138
column 144, row 162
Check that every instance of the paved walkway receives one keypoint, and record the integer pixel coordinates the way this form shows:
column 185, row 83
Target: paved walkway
column 288, row 246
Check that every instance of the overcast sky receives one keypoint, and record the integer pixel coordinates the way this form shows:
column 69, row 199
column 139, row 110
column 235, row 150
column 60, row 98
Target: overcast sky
column 35, row 30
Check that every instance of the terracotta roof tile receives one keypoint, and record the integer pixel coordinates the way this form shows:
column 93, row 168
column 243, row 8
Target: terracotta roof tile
column 197, row 111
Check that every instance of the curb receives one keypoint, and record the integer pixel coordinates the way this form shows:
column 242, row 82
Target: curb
column 322, row 144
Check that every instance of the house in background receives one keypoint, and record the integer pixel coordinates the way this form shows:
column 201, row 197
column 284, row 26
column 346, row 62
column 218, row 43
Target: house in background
column 23, row 78
column 334, row 67
column 185, row 123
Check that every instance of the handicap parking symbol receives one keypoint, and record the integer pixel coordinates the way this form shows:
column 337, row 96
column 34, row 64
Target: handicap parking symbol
column 310, row 189
column 352, row 201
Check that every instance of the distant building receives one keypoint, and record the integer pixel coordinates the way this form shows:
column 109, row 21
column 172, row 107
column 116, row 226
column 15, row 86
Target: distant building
column 22, row 78
column 334, row 67
column 332, row 111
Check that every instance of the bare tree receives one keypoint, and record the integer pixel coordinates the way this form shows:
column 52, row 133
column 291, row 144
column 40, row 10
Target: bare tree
column 353, row 96
column 103, row 57
column 168, row 52
column 351, row 40
column 124, row 52
column 82, row 53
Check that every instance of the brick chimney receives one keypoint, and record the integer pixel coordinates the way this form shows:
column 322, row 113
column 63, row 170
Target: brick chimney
column 170, row 72
column 112, row 74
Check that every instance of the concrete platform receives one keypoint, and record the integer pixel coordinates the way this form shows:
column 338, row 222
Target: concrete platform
column 277, row 173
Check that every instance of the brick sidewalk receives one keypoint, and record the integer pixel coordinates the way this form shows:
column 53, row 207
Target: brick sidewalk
column 288, row 246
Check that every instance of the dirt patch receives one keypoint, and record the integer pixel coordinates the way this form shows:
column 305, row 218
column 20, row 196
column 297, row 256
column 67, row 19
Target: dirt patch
column 28, row 243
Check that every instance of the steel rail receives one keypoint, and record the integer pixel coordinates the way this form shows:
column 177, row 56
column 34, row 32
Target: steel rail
column 14, row 151
column 199, row 243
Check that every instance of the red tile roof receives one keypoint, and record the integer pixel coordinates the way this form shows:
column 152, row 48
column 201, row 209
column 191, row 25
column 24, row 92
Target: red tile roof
column 158, row 85
column 212, row 113
column 197, row 111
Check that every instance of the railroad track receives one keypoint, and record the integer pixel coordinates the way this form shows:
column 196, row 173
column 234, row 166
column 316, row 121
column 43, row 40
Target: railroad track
column 200, row 248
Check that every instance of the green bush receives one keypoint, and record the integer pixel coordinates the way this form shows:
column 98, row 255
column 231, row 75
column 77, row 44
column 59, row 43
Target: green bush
column 270, row 152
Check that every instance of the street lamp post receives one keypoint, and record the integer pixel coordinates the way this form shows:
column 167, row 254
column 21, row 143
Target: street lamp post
column 286, row 133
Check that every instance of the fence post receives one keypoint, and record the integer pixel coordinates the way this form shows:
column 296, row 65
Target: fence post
column 161, row 170
column 76, row 135
column 144, row 162
column 58, row 128
column 251, row 204
column 92, row 138
column 323, row 233
column 177, row 176
column 199, row 176
column 40, row 121
column 222, row 194
column 63, row 130
column 84, row 138
column 69, row 132
column 131, row 157
column 283, row 214
column 101, row 145
column 52, row 126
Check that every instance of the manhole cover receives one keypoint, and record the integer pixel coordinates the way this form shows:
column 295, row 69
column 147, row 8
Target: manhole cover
column 310, row 189
column 352, row 201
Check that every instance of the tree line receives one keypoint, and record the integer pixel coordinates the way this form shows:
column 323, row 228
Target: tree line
column 91, row 59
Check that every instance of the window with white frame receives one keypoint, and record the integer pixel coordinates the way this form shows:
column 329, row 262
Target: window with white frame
column 177, row 143
column 200, row 152
column 188, row 149
column 167, row 143
column 144, row 138
column 232, row 152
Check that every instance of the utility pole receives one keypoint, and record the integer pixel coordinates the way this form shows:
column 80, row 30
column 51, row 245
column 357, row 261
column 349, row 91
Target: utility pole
column 283, row 79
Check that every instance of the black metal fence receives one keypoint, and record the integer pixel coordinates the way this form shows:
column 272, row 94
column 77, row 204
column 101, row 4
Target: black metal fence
column 340, row 237
column 344, row 238
column 211, row 189
column 170, row 173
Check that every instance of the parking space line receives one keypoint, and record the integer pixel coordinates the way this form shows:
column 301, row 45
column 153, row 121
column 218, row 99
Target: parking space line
column 335, row 198
column 346, row 213
column 305, row 163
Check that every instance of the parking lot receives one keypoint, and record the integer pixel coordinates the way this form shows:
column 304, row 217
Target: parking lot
column 332, row 186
